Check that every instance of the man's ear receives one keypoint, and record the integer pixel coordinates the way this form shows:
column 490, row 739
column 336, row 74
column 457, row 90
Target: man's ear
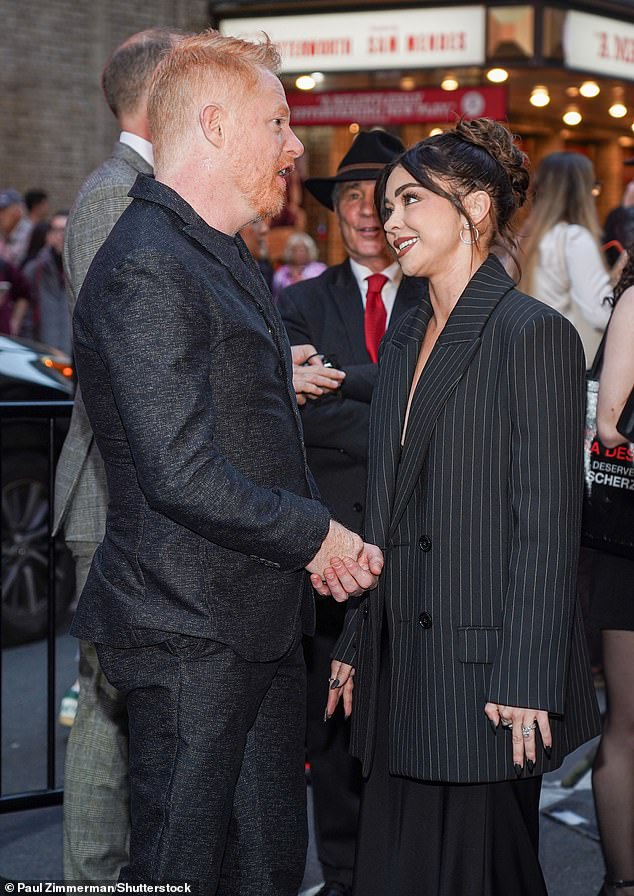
column 478, row 205
column 212, row 122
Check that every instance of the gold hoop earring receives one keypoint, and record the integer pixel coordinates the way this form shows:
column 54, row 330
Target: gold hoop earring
column 474, row 232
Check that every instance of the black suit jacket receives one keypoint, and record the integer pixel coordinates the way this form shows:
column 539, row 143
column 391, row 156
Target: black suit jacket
column 479, row 514
column 327, row 312
column 186, row 375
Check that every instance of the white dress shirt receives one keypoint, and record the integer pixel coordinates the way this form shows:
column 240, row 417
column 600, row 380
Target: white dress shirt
column 138, row 144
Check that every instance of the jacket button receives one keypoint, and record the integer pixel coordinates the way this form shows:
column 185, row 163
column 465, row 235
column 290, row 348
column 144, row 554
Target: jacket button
column 365, row 612
column 425, row 620
column 357, row 507
column 424, row 543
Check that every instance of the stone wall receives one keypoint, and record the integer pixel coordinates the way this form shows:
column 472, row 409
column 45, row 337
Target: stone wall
column 55, row 126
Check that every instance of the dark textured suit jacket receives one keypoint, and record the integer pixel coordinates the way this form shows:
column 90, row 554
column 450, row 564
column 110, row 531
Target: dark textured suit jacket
column 186, row 375
column 479, row 514
column 327, row 312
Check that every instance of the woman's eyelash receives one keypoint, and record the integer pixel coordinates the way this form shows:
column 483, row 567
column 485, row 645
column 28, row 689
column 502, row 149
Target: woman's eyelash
column 410, row 196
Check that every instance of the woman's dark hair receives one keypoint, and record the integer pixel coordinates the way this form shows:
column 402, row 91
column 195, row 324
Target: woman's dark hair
column 627, row 275
column 475, row 155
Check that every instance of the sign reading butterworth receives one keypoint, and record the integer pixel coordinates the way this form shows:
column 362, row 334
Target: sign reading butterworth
column 368, row 107
column 595, row 44
column 426, row 38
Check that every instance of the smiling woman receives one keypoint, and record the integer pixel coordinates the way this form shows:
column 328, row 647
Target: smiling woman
column 470, row 670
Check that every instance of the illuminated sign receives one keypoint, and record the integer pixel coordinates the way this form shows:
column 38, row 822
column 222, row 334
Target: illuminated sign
column 425, row 38
column 370, row 107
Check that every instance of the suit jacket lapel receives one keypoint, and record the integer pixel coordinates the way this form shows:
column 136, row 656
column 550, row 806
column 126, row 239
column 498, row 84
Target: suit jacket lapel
column 233, row 255
column 398, row 362
column 450, row 358
column 349, row 305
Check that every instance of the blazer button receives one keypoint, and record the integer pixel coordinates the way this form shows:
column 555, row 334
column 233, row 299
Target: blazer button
column 424, row 543
column 357, row 507
column 425, row 620
column 365, row 611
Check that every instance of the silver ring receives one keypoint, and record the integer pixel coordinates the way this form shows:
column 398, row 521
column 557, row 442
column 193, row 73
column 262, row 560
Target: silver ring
column 506, row 723
column 527, row 730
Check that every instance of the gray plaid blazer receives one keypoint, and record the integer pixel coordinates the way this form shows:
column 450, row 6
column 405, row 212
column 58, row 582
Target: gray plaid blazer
column 81, row 497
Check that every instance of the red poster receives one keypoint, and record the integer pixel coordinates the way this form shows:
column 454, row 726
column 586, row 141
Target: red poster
column 383, row 107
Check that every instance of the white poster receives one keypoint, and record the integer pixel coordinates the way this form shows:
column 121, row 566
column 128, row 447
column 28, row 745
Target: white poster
column 362, row 41
column 599, row 45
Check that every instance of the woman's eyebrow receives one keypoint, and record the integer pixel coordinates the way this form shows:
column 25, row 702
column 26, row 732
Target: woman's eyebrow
column 400, row 189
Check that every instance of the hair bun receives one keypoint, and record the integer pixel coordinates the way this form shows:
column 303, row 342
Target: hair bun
column 496, row 139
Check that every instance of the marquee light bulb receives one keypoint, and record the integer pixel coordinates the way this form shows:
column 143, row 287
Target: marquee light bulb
column 589, row 89
column 305, row 82
column 539, row 96
column 572, row 117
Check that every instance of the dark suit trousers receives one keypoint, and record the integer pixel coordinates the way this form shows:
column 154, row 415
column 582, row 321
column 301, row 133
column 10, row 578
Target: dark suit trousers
column 335, row 774
column 419, row 838
column 216, row 766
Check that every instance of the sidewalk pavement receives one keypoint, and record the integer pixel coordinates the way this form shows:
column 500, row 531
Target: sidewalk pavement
column 31, row 842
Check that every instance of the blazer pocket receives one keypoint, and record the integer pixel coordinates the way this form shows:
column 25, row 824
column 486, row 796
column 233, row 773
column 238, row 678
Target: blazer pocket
column 477, row 644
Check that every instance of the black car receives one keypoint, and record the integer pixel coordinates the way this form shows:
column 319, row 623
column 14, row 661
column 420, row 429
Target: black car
column 30, row 372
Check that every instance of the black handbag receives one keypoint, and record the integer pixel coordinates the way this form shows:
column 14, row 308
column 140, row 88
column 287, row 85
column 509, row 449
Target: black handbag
column 608, row 505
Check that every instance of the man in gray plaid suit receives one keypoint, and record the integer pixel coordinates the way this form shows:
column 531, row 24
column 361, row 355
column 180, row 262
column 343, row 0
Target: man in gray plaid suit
column 96, row 796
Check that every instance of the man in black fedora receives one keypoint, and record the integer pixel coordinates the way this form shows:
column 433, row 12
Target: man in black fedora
column 344, row 313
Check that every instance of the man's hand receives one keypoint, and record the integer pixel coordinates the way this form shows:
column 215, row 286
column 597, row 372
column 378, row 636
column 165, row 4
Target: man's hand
column 346, row 577
column 310, row 378
column 340, row 542
column 340, row 684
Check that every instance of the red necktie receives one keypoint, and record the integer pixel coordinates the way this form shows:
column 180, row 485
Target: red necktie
column 375, row 314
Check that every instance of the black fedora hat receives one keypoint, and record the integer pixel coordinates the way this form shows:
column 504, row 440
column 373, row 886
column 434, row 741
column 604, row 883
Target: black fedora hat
column 366, row 158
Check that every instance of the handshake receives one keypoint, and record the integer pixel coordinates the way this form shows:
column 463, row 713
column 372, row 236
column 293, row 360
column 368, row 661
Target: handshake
column 344, row 566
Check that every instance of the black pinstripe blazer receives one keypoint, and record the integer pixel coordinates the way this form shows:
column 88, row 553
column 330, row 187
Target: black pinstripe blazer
column 479, row 515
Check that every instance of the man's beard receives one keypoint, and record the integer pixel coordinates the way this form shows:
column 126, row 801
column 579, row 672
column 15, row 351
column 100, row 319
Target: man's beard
column 265, row 194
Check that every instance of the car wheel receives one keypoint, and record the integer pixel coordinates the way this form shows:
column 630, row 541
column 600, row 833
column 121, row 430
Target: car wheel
column 25, row 551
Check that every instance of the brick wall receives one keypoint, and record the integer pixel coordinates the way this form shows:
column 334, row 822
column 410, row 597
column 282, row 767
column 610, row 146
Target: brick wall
column 55, row 126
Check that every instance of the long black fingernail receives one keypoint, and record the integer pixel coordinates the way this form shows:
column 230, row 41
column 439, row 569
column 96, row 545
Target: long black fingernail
column 548, row 751
column 494, row 726
column 334, row 684
column 530, row 765
column 518, row 769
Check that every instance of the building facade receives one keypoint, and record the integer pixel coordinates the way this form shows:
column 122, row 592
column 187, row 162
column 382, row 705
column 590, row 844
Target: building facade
column 56, row 126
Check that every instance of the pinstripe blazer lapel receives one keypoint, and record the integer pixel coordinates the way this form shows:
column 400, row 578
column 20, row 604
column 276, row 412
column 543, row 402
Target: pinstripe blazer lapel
column 398, row 362
column 347, row 299
column 450, row 358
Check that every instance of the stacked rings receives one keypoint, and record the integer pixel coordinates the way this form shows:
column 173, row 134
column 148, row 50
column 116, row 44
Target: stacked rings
column 527, row 730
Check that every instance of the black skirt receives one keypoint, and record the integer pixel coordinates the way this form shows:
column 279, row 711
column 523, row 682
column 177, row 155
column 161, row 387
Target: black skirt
column 612, row 592
column 420, row 838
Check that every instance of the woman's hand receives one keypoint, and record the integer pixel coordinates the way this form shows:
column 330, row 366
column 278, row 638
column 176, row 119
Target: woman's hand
column 340, row 684
column 523, row 724
column 346, row 577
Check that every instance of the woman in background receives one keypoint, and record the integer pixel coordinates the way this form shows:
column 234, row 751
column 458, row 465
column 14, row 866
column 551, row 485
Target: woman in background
column 300, row 262
column 562, row 263
column 613, row 612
